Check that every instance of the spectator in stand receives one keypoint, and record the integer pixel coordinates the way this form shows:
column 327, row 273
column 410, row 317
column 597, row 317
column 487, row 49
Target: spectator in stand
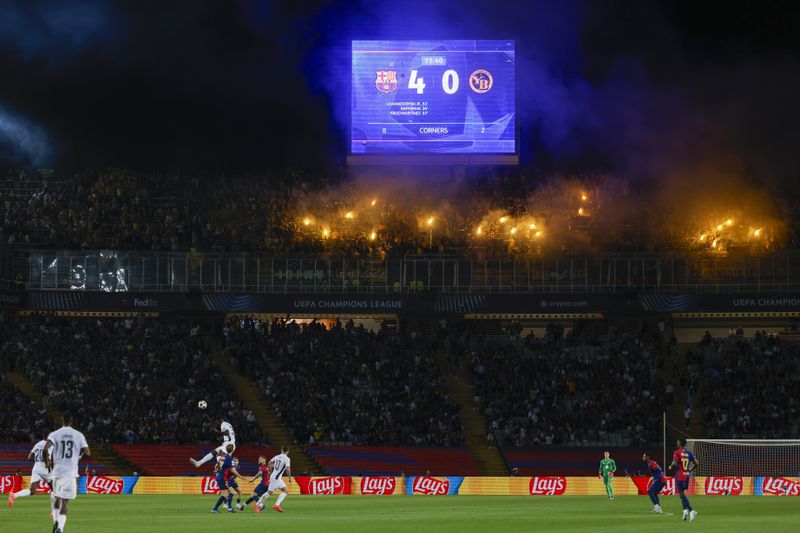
column 749, row 387
column 21, row 419
column 568, row 389
column 128, row 380
column 347, row 384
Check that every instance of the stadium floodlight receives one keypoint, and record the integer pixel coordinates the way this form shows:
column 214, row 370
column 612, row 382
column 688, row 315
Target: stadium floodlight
column 746, row 457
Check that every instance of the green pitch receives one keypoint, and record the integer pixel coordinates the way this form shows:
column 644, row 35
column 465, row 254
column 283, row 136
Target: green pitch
column 174, row 514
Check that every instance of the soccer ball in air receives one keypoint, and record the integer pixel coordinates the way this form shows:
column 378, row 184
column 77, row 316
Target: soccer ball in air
column 202, row 404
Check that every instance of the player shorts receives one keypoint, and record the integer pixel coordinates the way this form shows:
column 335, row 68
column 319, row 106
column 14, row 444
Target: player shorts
column 41, row 474
column 221, row 483
column 233, row 484
column 656, row 487
column 222, row 449
column 276, row 484
column 65, row 487
column 260, row 489
column 681, row 485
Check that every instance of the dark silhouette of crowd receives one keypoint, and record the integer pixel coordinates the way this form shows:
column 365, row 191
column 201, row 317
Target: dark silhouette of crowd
column 749, row 387
column 21, row 419
column 568, row 389
column 346, row 384
column 130, row 380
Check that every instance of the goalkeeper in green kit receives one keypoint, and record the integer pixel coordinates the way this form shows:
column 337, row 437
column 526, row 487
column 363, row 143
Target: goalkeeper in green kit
column 606, row 473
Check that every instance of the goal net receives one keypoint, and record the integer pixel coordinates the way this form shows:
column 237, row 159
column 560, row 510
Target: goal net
column 740, row 457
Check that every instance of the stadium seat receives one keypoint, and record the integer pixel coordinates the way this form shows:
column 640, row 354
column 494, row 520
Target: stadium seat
column 173, row 460
column 392, row 460
column 14, row 456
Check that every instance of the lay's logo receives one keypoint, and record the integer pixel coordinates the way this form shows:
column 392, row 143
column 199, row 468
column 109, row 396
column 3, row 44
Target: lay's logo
column 724, row 486
column 780, row 486
column 379, row 485
column 104, row 485
column 10, row 484
column 326, row 485
column 430, row 486
column 547, row 486
column 209, row 486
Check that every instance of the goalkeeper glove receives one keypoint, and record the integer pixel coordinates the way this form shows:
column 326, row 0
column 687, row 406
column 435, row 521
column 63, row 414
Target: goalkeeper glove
column 611, row 474
column 600, row 476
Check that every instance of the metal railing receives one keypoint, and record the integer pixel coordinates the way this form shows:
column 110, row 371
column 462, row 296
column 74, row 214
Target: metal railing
column 115, row 271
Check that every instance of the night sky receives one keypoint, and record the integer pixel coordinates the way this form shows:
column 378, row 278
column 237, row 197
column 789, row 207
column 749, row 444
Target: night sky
column 636, row 88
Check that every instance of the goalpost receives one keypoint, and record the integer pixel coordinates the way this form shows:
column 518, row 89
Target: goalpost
column 746, row 457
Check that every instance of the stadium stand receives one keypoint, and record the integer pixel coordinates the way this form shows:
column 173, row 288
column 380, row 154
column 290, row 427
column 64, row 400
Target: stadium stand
column 14, row 457
column 128, row 380
column 394, row 460
column 173, row 460
column 553, row 391
column 749, row 387
column 21, row 420
column 348, row 385
column 570, row 460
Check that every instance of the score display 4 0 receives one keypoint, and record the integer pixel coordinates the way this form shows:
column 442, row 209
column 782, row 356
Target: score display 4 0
column 480, row 81
column 432, row 97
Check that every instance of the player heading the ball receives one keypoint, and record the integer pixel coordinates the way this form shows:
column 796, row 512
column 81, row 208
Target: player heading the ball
column 228, row 437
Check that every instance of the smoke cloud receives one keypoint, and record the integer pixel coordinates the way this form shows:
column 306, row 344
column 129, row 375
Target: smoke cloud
column 22, row 142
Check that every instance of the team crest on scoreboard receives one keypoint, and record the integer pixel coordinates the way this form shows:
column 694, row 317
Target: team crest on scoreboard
column 386, row 81
column 481, row 81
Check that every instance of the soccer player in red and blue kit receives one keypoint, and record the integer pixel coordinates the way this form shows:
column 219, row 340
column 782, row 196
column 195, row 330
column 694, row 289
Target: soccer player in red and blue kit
column 261, row 488
column 659, row 481
column 684, row 462
column 226, row 475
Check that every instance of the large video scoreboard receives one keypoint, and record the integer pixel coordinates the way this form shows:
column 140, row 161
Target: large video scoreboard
column 433, row 97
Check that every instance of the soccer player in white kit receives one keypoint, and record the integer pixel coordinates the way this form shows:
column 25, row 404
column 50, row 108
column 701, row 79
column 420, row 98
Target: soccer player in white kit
column 39, row 474
column 279, row 465
column 63, row 450
column 228, row 437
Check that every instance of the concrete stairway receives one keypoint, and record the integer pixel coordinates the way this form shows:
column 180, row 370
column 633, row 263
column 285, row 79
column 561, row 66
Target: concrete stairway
column 100, row 453
column 489, row 459
column 266, row 418
column 675, row 362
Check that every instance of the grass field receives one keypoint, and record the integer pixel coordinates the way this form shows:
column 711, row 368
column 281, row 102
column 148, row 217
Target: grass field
column 173, row 514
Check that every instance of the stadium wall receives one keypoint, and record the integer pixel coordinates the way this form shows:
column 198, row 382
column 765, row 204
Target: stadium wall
column 332, row 304
column 431, row 486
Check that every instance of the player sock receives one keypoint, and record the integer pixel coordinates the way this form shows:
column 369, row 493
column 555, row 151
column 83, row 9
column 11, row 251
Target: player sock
column 53, row 508
column 23, row 493
column 220, row 502
column 62, row 521
column 264, row 497
column 230, row 499
column 685, row 502
column 205, row 459
column 280, row 498
column 249, row 500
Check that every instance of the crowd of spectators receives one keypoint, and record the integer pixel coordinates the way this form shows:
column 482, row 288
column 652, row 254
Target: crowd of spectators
column 21, row 419
column 130, row 380
column 748, row 387
column 346, row 384
column 113, row 209
column 568, row 389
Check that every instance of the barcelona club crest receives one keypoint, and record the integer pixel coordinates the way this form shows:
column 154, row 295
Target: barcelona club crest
column 386, row 81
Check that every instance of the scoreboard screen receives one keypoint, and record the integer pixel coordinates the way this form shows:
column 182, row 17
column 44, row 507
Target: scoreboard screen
column 433, row 97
